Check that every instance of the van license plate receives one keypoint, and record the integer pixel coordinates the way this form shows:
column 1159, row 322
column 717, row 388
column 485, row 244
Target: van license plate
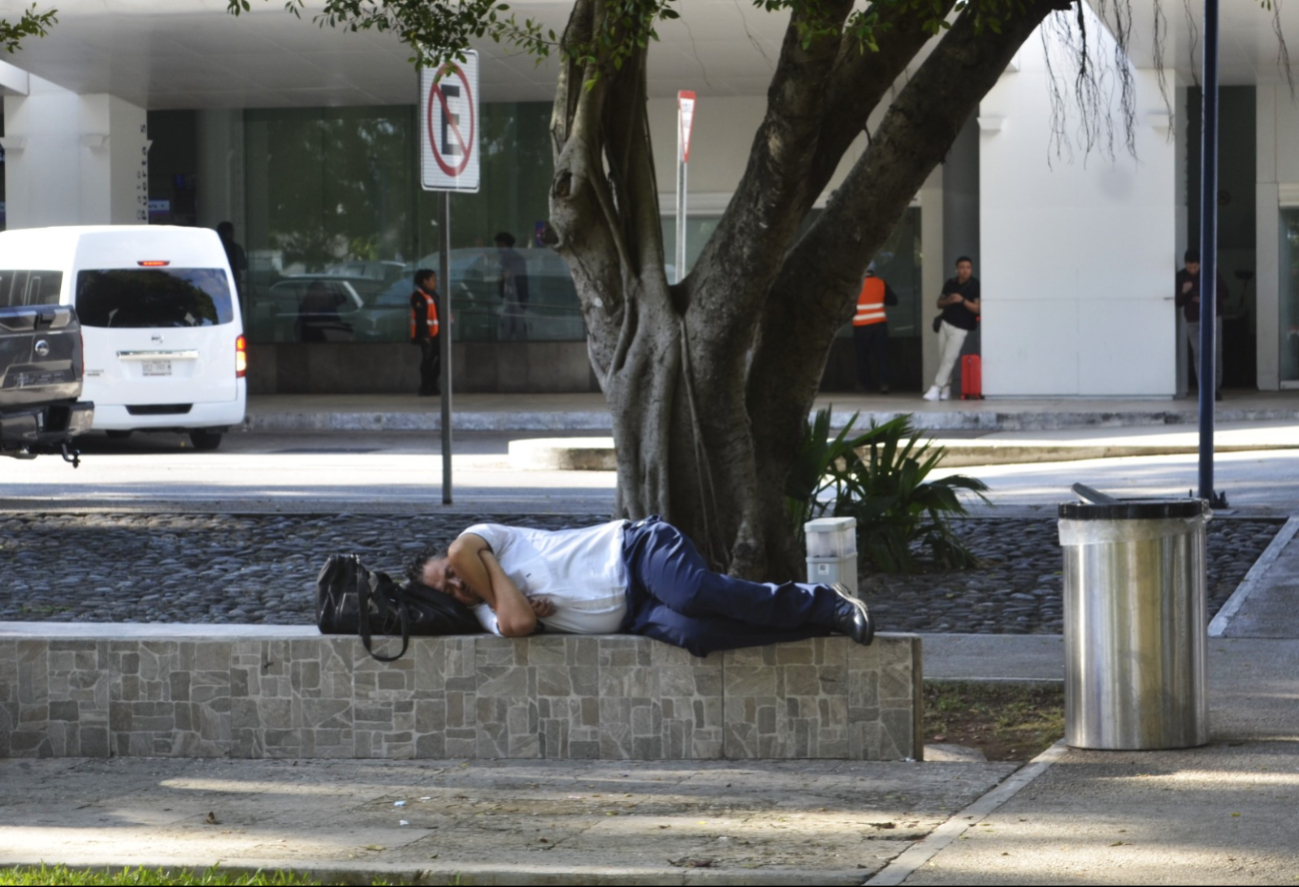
column 157, row 367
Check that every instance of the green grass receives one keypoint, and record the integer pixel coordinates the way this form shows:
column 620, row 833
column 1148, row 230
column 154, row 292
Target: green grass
column 212, row 877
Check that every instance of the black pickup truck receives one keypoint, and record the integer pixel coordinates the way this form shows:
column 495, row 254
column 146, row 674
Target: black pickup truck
column 41, row 369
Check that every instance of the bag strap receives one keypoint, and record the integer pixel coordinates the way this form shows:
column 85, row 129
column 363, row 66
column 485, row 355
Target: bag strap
column 363, row 597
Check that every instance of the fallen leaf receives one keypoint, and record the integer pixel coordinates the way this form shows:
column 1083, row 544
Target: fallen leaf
column 882, row 824
column 688, row 863
column 375, row 847
column 211, row 819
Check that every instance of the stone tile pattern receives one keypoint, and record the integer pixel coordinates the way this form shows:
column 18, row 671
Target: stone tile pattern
column 550, row 696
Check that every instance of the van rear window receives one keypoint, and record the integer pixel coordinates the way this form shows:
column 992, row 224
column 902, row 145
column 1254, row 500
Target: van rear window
column 154, row 297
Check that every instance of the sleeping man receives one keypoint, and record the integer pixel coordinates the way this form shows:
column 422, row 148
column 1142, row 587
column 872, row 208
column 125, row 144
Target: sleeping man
column 644, row 577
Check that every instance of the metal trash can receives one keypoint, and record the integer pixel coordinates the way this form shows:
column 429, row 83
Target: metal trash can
column 1135, row 623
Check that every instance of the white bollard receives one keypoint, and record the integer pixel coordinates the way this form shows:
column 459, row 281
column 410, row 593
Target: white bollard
column 832, row 551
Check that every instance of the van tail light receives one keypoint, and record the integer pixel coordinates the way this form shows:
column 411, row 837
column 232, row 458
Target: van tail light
column 241, row 357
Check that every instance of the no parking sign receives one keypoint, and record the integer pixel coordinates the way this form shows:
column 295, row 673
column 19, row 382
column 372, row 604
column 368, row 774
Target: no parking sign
column 449, row 126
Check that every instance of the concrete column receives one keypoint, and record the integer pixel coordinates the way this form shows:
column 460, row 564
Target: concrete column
column 220, row 138
column 74, row 159
column 1181, row 170
column 1271, row 116
column 933, row 270
column 1078, row 248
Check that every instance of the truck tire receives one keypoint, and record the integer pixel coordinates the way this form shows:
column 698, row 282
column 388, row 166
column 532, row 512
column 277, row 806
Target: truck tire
column 205, row 440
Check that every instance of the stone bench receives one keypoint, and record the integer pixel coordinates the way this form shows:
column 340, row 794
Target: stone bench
column 98, row 690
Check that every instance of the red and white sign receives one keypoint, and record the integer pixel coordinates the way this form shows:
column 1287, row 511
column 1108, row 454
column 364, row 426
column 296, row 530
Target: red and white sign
column 686, row 118
column 448, row 112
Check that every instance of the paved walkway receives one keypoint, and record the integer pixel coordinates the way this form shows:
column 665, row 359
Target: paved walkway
column 589, row 412
column 1220, row 814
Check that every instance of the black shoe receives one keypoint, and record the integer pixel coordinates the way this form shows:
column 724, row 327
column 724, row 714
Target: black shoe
column 851, row 616
column 1217, row 395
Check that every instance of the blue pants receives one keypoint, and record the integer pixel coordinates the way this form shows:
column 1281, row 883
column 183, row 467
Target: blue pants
column 673, row 597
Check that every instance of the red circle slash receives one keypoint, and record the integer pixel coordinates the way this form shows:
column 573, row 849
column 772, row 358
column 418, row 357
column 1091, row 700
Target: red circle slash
column 436, row 93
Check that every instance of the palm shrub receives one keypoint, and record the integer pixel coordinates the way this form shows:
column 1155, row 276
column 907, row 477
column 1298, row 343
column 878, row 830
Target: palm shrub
column 879, row 477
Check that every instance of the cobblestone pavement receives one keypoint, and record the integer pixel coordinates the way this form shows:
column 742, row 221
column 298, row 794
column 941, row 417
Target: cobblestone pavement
column 215, row 568
column 1019, row 587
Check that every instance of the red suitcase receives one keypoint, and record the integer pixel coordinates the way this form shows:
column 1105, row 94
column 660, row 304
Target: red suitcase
column 971, row 377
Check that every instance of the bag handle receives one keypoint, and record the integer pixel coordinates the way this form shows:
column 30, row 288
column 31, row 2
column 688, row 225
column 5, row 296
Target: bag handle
column 363, row 596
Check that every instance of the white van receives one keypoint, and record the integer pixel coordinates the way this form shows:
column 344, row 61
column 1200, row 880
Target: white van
column 164, row 343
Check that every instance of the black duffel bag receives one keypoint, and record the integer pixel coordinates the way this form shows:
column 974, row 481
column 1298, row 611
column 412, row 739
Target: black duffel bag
column 353, row 599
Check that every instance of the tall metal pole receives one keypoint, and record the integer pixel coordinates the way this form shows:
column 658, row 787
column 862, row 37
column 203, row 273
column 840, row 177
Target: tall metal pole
column 1208, row 248
column 681, row 200
column 444, row 283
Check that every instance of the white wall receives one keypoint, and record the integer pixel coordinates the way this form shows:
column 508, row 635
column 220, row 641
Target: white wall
column 74, row 159
column 1277, row 128
column 1078, row 255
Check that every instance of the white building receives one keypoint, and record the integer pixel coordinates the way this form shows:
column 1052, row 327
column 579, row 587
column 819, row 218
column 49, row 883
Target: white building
column 305, row 138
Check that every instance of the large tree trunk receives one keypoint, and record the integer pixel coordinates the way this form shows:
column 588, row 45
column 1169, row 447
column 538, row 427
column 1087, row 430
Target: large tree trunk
column 710, row 381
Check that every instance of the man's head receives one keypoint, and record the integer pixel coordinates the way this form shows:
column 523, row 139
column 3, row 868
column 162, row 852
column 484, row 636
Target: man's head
column 432, row 569
column 504, row 240
column 426, row 279
column 964, row 268
column 1191, row 259
column 226, row 230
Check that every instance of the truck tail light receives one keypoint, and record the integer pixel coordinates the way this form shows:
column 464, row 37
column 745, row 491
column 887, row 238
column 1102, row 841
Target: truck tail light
column 241, row 357
column 82, row 337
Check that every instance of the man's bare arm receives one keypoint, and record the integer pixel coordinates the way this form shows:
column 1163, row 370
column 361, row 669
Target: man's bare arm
column 515, row 615
column 473, row 561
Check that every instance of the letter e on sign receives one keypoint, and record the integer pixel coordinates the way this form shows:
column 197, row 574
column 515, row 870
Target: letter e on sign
column 448, row 118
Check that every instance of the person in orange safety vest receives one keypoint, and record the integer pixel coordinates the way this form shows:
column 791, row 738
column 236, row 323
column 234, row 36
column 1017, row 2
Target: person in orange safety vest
column 424, row 329
column 870, row 331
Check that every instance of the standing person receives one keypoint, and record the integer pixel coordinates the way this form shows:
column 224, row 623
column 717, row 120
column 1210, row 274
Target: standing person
column 960, row 304
column 1188, row 299
column 514, row 289
column 644, row 578
column 424, row 330
column 235, row 256
column 870, row 330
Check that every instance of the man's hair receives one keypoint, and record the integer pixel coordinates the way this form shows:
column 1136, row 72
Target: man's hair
column 504, row 238
column 226, row 229
column 960, row 259
column 424, row 274
column 415, row 566
column 1191, row 255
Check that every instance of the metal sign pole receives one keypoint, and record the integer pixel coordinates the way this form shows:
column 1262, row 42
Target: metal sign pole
column 1209, row 252
column 680, row 259
column 685, row 120
column 448, row 162
column 444, row 282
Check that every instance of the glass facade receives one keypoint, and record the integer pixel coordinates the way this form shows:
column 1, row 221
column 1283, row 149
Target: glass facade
column 334, row 224
column 335, row 208
column 1288, row 325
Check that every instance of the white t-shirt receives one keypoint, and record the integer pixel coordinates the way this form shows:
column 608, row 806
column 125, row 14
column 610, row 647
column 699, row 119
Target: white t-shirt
column 580, row 571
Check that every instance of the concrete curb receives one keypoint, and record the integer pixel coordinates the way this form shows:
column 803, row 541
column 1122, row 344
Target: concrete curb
column 910, row 860
column 1253, row 579
column 295, row 420
column 599, row 453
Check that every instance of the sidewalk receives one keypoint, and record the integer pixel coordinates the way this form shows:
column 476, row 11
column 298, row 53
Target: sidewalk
column 559, row 431
column 589, row 412
column 1222, row 814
